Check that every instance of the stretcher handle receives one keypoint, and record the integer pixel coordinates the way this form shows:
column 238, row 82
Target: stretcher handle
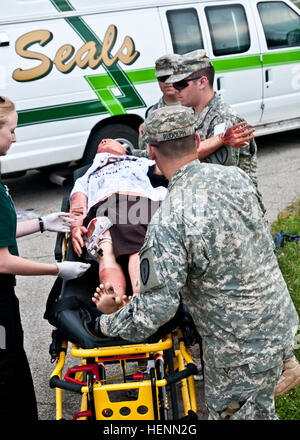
column 56, row 382
column 190, row 370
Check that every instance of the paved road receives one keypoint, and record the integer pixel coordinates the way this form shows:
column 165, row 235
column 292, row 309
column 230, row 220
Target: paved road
column 279, row 170
column 279, row 183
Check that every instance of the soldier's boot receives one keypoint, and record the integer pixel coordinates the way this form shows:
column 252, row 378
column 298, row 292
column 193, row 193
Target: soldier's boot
column 231, row 408
column 289, row 378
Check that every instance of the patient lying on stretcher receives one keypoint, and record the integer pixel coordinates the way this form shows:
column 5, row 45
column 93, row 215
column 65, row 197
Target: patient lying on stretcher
column 112, row 204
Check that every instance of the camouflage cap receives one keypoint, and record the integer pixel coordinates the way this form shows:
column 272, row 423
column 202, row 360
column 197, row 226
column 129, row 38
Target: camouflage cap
column 189, row 63
column 167, row 123
column 165, row 65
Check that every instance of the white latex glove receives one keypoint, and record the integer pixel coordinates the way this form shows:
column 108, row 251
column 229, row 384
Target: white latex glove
column 68, row 270
column 57, row 222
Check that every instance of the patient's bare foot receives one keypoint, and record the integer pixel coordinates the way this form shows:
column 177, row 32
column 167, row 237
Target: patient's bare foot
column 107, row 301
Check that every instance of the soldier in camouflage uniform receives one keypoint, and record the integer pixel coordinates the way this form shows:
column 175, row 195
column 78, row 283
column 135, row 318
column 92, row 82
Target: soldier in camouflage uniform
column 210, row 244
column 164, row 67
column 229, row 148
column 213, row 115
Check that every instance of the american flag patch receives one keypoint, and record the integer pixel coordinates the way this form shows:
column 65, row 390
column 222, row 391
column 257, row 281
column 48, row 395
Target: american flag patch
column 141, row 131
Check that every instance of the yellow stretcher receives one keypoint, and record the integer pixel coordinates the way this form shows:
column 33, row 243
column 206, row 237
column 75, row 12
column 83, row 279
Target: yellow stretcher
column 134, row 394
column 148, row 390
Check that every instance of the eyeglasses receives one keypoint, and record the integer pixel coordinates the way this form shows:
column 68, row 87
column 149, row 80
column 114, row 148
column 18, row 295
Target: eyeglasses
column 180, row 85
column 2, row 99
column 163, row 78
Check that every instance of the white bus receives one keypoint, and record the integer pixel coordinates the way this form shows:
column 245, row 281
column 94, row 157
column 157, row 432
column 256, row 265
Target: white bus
column 82, row 70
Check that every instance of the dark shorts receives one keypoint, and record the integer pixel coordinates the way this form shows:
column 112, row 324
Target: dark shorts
column 130, row 216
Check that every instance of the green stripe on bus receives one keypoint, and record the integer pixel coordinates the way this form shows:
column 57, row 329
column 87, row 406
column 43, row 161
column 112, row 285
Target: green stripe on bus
column 236, row 64
column 102, row 85
column 62, row 5
column 61, row 112
column 277, row 58
column 231, row 64
column 142, row 76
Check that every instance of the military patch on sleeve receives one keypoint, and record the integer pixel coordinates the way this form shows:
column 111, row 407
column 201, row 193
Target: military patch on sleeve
column 150, row 279
column 145, row 270
column 141, row 131
column 222, row 155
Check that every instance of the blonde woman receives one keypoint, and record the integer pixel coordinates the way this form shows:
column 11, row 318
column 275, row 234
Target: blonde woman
column 17, row 398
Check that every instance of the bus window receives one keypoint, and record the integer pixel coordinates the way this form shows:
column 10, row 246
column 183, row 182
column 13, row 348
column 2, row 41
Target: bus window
column 185, row 30
column 281, row 24
column 228, row 29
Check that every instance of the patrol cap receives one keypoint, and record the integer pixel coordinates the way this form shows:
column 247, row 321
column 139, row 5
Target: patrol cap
column 189, row 63
column 167, row 123
column 165, row 64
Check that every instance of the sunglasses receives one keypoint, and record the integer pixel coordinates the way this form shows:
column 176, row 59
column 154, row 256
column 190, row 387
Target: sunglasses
column 180, row 85
column 163, row 79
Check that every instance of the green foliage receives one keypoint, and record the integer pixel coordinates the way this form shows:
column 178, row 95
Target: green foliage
column 288, row 220
column 288, row 405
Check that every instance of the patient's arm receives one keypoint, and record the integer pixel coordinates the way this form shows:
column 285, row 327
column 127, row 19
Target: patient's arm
column 78, row 207
column 78, row 211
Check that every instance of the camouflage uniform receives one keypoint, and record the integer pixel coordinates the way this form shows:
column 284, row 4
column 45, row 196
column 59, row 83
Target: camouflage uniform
column 210, row 243
column 163, row 66
column 217, row 112
column 214, row 113
column 143, row 140
column 161, row 103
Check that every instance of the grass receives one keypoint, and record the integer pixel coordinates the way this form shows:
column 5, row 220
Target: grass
column 288, row 405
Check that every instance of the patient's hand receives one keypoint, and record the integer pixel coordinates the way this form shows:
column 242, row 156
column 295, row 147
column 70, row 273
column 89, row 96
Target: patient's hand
column 77, row 233
column 107, row 301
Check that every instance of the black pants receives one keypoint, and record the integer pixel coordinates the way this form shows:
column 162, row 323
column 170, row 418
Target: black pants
column 17, row 397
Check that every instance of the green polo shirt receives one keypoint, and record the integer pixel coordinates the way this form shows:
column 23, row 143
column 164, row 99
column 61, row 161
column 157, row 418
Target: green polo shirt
column 8, row 221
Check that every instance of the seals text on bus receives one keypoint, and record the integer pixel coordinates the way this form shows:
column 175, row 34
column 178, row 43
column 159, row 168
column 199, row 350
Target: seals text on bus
column 66, row 58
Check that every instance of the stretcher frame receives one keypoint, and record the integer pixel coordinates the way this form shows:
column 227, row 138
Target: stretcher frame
column 170, row 355
column 152, row 402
